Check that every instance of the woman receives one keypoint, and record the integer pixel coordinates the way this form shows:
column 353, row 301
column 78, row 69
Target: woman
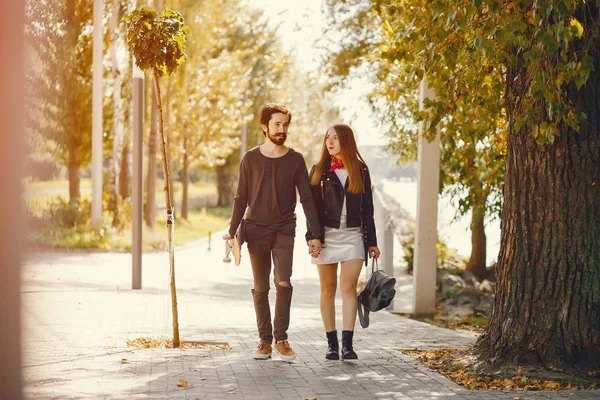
column 342, row 189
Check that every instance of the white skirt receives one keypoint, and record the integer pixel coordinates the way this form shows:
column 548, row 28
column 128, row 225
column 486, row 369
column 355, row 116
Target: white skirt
column 341, row 245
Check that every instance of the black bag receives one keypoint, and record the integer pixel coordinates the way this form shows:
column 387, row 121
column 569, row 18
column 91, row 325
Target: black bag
column 377, row 294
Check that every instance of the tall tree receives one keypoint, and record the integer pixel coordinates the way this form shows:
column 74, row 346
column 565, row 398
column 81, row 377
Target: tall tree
column 213, row 83
column 546, row 58
column 158, row 44
column 398, row 40
column 242, row 40
column 59, row 86
column 211, row 118
column 547, row 306
column 116, row 44
column 150, row 203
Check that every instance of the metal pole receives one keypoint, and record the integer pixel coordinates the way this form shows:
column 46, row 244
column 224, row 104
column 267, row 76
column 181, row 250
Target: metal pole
column 425, row 258
column 137, row 177
column 11, row 207
column 97, row 116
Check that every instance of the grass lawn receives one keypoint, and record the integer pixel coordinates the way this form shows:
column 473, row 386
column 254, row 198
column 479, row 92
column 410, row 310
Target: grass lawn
column 198, row 225
column 85, row 183
column 198, row 189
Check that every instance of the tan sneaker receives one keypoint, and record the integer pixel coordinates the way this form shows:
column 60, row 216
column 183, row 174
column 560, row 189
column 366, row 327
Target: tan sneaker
column 263, row 352
column 285, row 351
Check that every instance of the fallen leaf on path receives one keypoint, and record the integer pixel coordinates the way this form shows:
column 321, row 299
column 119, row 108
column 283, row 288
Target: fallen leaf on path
column 151, row 343
column 451, row 364
column 124, row 361
column 182, row 383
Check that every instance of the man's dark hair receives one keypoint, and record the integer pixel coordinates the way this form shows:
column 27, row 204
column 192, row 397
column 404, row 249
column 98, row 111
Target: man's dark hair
column 270, row 109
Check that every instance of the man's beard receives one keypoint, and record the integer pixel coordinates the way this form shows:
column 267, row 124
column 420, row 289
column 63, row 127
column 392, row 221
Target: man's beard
column 277, row 139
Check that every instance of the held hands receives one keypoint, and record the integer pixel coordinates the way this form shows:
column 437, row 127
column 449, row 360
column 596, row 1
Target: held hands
column 314, row 248
column 374, row 252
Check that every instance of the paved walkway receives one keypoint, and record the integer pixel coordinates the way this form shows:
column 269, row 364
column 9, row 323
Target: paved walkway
column 79, row 312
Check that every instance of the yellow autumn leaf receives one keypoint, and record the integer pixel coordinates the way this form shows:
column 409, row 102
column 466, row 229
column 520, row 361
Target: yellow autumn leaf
column 551, row 385
column 388, row 26
column 124, row 361
column 182, row 383
column 578, row 26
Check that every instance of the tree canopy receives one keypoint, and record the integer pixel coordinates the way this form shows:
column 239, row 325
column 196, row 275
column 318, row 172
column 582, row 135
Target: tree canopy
column 515, row 80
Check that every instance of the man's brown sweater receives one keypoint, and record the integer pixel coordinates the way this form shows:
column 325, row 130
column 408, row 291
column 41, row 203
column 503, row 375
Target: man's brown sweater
column 267, row 186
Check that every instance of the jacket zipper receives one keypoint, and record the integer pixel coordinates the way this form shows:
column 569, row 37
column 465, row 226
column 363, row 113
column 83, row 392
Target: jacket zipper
column 322, row 193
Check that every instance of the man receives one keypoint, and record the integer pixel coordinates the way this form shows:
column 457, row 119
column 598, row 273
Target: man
column 268, row 177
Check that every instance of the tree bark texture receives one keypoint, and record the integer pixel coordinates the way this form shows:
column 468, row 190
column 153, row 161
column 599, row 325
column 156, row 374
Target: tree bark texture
column 170, row 215
column 226, row 183
column 547, row 306
column 476, row 263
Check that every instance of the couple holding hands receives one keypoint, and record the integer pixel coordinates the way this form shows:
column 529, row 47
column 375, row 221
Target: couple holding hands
column 338, row 203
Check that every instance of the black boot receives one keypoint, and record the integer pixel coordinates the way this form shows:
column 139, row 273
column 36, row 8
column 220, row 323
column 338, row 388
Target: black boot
column 333, row 346
column 347, row 350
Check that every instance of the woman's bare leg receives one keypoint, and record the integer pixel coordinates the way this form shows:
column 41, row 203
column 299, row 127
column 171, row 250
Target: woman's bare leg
column 328, row 283
column 348, row 279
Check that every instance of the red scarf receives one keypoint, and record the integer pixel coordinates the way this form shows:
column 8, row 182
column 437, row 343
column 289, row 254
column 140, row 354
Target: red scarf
column 336, row 163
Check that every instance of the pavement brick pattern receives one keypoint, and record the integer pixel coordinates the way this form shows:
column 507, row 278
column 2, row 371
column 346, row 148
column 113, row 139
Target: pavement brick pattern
column 79, row 311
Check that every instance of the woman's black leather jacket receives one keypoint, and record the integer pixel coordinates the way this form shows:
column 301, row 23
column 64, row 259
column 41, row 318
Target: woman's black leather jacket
column 329, row 197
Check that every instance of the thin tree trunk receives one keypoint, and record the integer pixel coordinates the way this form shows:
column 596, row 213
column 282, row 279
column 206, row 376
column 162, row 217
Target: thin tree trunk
column 225, row 184
column 74, row 180
column 124, row 173
column 547, row 306
column 150, row 206
column 115, row 161
column 185, row 181
column 476, row 263
column 170, row 219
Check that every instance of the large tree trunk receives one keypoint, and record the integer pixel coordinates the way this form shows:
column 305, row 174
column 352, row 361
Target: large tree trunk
column 225, row 183
column 547, row 306
column 476, row 264
column 185, row 181
column 74, row 180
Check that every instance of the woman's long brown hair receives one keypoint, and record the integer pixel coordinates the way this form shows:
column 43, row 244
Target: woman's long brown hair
column 348, row 154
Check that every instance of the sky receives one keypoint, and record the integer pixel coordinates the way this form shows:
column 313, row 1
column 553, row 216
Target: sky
column 301, row 25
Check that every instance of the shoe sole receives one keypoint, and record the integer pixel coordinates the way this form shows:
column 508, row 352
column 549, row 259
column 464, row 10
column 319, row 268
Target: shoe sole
column 261, row 356
column 286, row 358
column 332, row 357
